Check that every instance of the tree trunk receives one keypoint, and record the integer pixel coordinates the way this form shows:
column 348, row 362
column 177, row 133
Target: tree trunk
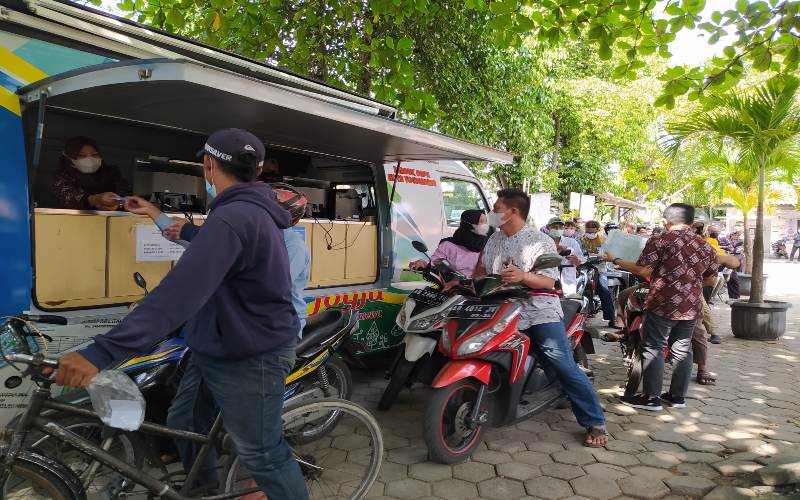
column 556, row 142
column 757, row 278
column 748, row 248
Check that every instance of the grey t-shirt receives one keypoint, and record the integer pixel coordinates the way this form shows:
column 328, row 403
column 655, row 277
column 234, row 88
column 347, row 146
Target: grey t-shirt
column 522, row 249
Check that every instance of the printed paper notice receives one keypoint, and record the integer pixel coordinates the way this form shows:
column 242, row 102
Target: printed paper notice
column 151, row 246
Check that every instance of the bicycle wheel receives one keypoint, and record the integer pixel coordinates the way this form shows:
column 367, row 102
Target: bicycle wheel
column 342, row 465
column 33, row 479
column 95, row 477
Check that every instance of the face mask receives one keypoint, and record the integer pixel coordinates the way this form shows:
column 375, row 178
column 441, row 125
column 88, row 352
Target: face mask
column 88, row 165
column 556, row 233
column 591, row 236
column 210, row 188
column 495, row 220
column 569, row 232
column 480, row 229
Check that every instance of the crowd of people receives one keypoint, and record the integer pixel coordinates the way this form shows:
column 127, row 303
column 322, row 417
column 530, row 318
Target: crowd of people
column 221, row 279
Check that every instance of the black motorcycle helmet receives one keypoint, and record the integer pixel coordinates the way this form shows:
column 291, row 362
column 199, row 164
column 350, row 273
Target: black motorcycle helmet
column 610, row 226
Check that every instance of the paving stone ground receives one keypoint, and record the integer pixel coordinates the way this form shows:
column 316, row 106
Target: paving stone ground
column 709, row 449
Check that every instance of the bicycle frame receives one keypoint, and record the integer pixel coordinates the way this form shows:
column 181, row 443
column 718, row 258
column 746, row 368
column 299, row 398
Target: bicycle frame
column 41, row 400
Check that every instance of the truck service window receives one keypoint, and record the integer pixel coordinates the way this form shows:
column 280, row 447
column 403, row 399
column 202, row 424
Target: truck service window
column 459, row 195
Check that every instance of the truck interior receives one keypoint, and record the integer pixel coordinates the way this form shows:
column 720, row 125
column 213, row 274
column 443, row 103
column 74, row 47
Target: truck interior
column 149, row 118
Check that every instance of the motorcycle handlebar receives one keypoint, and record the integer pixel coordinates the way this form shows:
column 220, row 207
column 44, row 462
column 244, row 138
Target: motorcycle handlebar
column 36, row 359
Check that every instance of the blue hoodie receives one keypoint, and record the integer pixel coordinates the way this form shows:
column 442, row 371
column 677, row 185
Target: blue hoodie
column 218, row 287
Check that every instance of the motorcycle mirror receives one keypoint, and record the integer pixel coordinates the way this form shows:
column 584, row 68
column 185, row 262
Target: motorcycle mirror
column 420, row 247
column 140, row 281
column 546, row 261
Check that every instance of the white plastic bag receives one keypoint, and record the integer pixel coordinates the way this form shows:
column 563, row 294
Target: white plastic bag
column 117, row 400
column 623, row 245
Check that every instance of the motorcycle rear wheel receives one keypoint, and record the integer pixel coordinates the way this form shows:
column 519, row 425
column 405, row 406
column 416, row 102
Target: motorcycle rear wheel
column 446, row 433
column 634, row 373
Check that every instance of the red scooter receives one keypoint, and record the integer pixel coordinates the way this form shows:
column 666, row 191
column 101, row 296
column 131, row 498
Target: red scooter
column 493, row 377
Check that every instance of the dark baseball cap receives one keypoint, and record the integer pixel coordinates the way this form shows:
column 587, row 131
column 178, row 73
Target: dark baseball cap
column 234, row 146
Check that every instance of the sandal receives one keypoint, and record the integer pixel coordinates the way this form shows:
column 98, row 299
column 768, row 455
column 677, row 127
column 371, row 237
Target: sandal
column 611, row 337
column 593, row 433
column 705, row 378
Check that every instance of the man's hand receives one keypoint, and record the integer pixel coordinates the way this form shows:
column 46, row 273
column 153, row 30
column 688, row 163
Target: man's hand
column 574, row 259
column 173, row 232
column 140, row 206
column 512, row 274
column 104, row 201
column 418, row 265
column 607, row 257
column 450, row 285
column 74, row 370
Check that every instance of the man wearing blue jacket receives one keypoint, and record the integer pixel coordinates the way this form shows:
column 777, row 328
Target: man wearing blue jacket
column 241, row 328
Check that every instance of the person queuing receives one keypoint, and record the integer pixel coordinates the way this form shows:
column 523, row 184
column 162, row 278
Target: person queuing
column 511, row 252
column 795, row 247
column 571, row 229
column 579, row 227
column 591, row 242
column 592, row 239
column 463, row 248
column 630, row 228
column 680, row 259
column 241, row 328
column 84, row 181
column 564, row 244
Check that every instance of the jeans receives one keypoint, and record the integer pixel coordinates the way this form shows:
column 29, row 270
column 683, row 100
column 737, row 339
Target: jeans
column 606, row 299
column 657, row 333
column 733, row 286
column 193, row 410
column 551, row 340
column 795, row 249
column 249, row 393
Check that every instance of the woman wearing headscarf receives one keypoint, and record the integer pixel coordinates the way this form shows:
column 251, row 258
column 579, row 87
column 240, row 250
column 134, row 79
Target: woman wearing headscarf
column 84, row 181
column 463, row 248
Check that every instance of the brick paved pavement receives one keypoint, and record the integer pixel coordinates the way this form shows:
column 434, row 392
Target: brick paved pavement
column 709, row 449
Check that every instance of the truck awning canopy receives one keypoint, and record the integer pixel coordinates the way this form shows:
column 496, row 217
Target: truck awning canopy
column 197, row 98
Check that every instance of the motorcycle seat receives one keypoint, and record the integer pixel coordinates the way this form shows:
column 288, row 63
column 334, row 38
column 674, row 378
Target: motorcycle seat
column 571, row 308
column 320, row 327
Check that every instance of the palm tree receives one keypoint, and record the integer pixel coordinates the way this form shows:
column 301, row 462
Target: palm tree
column 760, row 123
column 723, row 178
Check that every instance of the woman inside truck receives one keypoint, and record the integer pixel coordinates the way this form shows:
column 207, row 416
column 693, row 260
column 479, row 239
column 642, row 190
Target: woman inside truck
column 464, row 247
column 84, row 182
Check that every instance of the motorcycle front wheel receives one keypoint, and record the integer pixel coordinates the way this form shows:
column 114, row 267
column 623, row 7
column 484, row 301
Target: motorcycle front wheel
column 399, row 379
column 446, row 432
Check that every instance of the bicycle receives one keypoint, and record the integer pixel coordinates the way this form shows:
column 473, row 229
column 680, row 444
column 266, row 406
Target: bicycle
column 25, row 474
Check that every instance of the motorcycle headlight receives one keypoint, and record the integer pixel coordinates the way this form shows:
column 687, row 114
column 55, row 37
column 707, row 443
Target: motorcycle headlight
column 405, row 312
column 427, row 322
column 477, row 342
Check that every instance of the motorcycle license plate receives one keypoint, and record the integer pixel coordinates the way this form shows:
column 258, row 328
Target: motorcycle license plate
column 428, row 296
column 473, row 311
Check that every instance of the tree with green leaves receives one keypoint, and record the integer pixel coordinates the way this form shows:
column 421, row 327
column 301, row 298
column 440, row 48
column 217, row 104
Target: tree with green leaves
column 363, row 45
column 764, row 125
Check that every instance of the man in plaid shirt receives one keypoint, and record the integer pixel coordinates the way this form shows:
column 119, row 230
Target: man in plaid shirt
column 680, row 259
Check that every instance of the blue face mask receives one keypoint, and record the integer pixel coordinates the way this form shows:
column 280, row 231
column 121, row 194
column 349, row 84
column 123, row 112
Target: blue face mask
column 210, row 188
